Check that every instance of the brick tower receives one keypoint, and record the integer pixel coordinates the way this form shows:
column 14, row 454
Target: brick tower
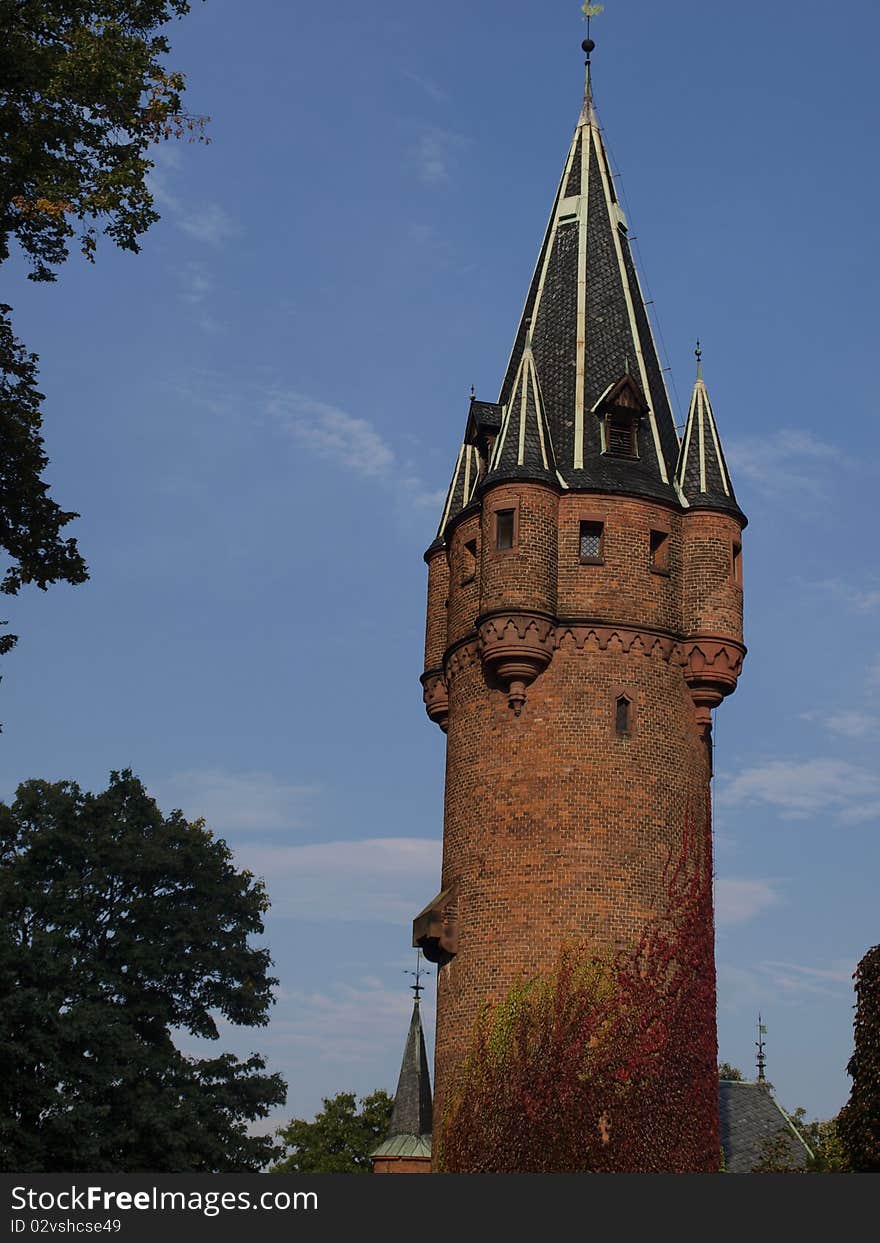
column 584, row 618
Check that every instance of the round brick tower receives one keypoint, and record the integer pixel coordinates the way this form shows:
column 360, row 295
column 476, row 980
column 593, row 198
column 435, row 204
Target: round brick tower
column 584, row 618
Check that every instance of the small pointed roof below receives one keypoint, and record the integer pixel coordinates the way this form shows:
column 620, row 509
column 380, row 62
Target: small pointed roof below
column 702, row 475
column 413, row 1109
column 461, row 489
column 751, row 1120
column 524, row 448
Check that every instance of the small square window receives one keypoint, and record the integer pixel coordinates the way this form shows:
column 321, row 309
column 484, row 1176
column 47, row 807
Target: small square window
column 591, row 541
column 504, row 528
column 660, row 552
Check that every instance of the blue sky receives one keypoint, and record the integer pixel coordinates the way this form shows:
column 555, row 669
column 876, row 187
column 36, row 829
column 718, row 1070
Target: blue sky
column 258, row 415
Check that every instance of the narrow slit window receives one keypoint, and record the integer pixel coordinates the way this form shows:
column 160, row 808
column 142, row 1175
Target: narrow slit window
column 469, row 562
column 622, row 715
column 660, row 552
column 504, row 528
column 592, row 534
column 737, row 564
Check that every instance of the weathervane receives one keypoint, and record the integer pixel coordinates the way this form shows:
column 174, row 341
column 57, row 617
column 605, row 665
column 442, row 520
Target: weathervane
column 759, row 1045
column 590, row 11
column 418, row 987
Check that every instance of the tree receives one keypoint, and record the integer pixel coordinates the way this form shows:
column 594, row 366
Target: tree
column 730, row 1073
column 30, row 523
column 84, row 96
column 118, row 926
column 829, row 1156
column 341, row 1137
column 859, row 1120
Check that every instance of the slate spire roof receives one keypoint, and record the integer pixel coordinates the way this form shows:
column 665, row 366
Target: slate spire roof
column 465, row 477
column 524, row 448
column 409, row 1133
column 584, row 327
column 583, row 404
column 702, row 475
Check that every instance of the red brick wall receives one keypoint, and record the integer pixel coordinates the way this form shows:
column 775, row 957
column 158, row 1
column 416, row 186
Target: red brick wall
column 556, row 827
column 401, row 1165
column 438, row 590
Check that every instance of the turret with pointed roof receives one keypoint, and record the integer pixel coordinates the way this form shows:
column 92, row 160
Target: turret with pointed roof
column 702, row 475
column 584, row 620
column 407, row 1148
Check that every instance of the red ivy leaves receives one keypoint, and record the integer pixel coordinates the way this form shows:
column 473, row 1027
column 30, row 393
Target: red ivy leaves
column 603, row 1065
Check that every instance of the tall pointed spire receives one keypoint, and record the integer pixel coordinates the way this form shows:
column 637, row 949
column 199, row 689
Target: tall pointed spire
column 407, row 1147
column 702, row 475
column 584, row 326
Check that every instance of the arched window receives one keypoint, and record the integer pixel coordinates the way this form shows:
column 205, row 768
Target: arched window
column 623, row 715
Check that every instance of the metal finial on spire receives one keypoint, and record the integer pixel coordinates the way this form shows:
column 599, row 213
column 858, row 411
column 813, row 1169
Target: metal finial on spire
column 698, row 354
column 418, row 987
column 589, row 11
column 759, row 1045
column 473, row 393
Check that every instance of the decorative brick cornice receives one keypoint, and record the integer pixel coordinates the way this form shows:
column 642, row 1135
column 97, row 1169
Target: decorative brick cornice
column 712, row 665
column 436, row 697
column 516, row 646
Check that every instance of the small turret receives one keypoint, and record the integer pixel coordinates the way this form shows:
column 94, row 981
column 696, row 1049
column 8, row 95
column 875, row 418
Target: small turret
column 407, row 1148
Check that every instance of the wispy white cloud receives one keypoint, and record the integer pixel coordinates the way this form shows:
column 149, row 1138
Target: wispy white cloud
column 853, row 724
column 789, row 462
column 348, row 441
column 195, row 283
column 774, row 982
column 347, row 1024
column 252, row 802
column 738, row 900
column 860, row 597
column 331, row 433
column 435, row 154
column 799, row 789
column 384, row 880
column 428, row 85
column 209, row 223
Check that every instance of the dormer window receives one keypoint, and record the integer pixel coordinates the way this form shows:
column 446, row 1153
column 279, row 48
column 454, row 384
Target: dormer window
column 620, row 410
column 620, row 435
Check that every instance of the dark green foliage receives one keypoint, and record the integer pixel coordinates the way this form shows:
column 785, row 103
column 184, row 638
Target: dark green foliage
column 824, row 1139
column 859, row 1120
column 84, row 95
column 726, row 1071
column 340, row 1139
column 30, row 523
column 117, row 926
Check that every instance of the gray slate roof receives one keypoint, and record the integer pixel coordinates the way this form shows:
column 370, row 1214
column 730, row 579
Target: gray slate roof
column 702, row 472
column 409, row 1133
column 749, row 1116
column 586, row 321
